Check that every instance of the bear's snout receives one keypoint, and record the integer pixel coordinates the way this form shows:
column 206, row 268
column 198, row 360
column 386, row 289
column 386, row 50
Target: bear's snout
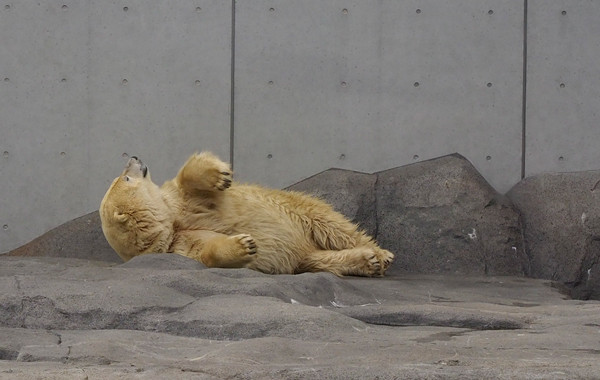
column 136, row 167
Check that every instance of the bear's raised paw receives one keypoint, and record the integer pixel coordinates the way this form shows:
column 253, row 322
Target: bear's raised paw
column 223, row 180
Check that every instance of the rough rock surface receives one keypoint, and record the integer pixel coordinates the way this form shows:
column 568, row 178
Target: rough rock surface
column 79, row 238
column 561, row 216
column 166, row 316
column 438, row 216
column 441, row 216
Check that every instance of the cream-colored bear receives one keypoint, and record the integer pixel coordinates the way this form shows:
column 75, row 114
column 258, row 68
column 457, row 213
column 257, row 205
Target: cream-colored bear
column 203, row 215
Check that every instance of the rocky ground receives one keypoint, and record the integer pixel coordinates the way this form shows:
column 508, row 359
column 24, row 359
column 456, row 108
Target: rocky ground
column 165, row 316
column 482, row 287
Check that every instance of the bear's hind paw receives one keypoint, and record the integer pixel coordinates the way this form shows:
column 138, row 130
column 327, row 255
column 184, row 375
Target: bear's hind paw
column 374, row 266
column 378, row 262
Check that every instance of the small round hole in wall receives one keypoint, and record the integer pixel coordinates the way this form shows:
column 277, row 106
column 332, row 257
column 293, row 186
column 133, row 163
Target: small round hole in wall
column 416, row 157
column 198, row 9
column 489, row 84
column 125, row 9
column 5, row 154
column 124, row 81
column 345, row 11
column 5, row 227
column 63, row 154
column 488, row 158
column 417, row 84
column 197, row 82
column 418, row 11
column 491, row 12
column 342, row 156
column 564, row 13
column 269, row 156
column 561, row 158
column 562, row 85
column 271, row 9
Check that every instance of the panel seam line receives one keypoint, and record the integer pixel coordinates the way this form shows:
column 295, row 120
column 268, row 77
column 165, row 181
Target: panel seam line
column 524, row 100
column 232, row 89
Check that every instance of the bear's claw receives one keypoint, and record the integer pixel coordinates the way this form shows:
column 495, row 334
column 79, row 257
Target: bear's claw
column 224, row 181
column 378, row 262
column 248, row 244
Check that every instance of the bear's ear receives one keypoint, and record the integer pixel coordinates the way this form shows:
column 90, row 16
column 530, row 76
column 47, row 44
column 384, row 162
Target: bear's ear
column 119, row 217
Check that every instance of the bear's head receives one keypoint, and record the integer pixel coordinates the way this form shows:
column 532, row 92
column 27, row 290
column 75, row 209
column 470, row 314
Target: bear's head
column 135, row 216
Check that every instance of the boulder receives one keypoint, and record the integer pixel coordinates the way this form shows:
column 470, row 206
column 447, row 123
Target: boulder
column 561, row 219
column 80, row 238
column 437, row 216
column 441, row 216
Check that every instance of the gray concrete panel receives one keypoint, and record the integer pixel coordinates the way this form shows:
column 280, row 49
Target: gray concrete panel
column 43, row 168
column 82, row 82
column 362, row 85
column 563, row 86
column 161, row 76
column 369, row 85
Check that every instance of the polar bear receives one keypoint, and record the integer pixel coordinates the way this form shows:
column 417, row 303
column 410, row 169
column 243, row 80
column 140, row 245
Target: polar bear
column 204, row 215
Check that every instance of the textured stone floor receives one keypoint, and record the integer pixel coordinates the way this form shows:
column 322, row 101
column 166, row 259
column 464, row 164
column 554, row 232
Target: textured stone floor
column 165, row 316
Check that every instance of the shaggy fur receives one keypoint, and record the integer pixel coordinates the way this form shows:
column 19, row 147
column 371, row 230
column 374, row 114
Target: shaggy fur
column 202, row 214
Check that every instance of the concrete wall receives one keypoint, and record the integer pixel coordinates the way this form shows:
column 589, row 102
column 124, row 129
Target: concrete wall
column 563, row 86
column 286, row 89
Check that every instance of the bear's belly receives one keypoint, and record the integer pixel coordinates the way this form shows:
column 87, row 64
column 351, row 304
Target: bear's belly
column 281, row 238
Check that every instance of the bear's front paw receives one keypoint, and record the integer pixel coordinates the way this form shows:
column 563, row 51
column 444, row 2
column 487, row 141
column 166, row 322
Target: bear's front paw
column 205, row 172
column 223, row 180
column 246, row 243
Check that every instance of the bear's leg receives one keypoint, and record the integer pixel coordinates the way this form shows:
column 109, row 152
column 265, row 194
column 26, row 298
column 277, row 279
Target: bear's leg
column 214, row 249
column 205, row 172
column 228, row 251
column 359, row 261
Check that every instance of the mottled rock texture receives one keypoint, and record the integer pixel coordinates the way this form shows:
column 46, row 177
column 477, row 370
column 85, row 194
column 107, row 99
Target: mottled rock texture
column 438, row 216
column 79, row 238
column 561, row 215
column 166, row 316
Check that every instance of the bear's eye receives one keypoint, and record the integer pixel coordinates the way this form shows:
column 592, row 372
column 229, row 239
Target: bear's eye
column 127, row 178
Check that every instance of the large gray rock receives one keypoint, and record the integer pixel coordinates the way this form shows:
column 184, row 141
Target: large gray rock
column 441, row 216
column 165, row 316
column 80, row 238
column 437, row 216
column 561, row 214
